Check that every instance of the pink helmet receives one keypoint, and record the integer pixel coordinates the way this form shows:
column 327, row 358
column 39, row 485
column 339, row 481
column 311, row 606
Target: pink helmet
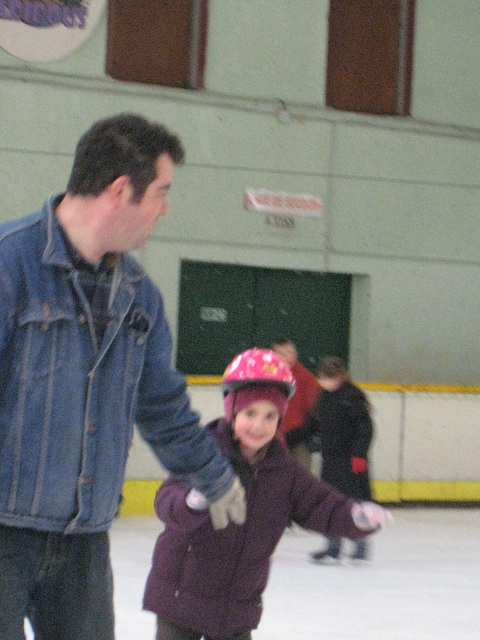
column 258, row 366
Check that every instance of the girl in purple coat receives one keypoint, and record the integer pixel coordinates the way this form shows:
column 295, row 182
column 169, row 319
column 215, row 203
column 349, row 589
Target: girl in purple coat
column 208, row 583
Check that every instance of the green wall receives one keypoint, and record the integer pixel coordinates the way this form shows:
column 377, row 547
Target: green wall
column 401, row 196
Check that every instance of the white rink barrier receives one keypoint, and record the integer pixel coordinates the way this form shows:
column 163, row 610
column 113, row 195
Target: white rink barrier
column 426, row 446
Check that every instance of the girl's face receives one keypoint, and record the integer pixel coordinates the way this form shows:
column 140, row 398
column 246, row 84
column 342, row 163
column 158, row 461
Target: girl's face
column 330, row 384
column 256, row 425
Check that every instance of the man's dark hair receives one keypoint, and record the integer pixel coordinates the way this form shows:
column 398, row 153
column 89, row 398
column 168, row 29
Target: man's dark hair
column 126, row 144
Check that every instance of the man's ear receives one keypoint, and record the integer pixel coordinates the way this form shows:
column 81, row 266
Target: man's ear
column 119, row 187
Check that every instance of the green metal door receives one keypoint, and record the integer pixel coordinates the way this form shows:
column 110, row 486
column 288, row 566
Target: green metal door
column 312, row 309
column 215, row 316
column 225, row 309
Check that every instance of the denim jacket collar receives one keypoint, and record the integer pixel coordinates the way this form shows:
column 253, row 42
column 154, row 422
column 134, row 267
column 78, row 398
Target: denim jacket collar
column 56, row 252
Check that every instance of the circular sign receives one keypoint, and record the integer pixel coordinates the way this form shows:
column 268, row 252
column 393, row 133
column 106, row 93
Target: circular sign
column 47, row 30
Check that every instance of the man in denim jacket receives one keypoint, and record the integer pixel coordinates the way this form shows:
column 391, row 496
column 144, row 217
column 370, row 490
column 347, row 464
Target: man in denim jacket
column 85, row 353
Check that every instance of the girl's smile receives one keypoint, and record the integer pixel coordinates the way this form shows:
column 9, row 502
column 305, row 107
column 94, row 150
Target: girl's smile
column 255, row 426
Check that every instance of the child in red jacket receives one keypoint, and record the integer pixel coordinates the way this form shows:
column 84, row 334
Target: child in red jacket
column 207, row 582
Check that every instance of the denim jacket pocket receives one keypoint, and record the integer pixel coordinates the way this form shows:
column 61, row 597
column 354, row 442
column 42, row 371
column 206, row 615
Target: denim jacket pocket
column 137, row 326
column 43, row 338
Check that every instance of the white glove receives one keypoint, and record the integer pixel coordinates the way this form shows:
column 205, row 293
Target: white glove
column 196, row 500
column 230, row 506
column 369, row 516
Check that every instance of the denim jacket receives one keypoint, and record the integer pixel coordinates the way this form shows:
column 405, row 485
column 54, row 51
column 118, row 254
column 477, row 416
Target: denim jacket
column 68, row 406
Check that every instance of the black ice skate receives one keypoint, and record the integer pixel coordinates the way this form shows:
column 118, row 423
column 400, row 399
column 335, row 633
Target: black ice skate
column 324, row 557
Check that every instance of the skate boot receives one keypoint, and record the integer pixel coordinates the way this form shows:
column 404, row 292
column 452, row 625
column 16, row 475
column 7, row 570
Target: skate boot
column 328, row 555
column 361, row 552
column 323, row 557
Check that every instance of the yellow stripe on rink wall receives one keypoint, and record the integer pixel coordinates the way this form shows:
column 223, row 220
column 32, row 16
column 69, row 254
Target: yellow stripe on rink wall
column 426, row 491
column 441, row 491
column 372, row 386
column 139, row 495
column 386, row 491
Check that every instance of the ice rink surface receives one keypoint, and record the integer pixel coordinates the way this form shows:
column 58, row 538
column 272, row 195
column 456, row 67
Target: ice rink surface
column 423, row 582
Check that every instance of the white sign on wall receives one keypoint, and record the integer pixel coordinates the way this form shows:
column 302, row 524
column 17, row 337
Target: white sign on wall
column 47, row 30
column 280, row 202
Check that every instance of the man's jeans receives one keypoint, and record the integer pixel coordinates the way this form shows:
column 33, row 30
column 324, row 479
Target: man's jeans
column 61, row 583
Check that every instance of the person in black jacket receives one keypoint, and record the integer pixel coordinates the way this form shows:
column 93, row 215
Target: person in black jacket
column 340, row 426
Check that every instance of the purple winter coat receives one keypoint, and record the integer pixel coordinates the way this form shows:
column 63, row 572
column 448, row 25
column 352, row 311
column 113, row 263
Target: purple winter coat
column 212, row 581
